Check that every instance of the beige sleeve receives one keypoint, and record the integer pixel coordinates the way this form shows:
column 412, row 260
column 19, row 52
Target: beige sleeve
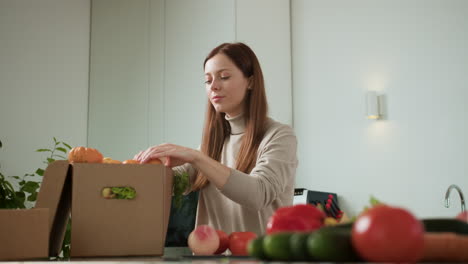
column 274, row 171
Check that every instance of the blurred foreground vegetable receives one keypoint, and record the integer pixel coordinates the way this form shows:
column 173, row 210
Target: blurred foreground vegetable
column 203, row 240
column 300, row 218
column 388, row 234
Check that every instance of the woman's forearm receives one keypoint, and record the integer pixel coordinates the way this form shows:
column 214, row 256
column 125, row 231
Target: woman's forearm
column 214, row 171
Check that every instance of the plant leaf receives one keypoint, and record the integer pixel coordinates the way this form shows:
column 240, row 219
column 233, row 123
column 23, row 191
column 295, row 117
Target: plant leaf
column 20, row 197
column 32, row 197
column 40, row 172
column 30, row 187
column 50, row 160
column 66, row 145
column 43, row 150
column 61, row 149
column 9, row 187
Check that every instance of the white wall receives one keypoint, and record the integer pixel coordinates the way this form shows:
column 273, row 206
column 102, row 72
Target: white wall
column 44, row 51
column 146, row 73
column 265, row 26
column 412, row 52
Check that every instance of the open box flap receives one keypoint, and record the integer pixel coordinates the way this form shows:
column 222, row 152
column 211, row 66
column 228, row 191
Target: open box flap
column 55, row 194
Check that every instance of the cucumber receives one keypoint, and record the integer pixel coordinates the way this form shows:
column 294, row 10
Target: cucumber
column 276, row 246
column 255, row 248
column 298, row 246
column 332, row 243
column 439, row 225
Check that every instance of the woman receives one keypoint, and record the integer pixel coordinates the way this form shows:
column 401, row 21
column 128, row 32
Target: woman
column 245, row 168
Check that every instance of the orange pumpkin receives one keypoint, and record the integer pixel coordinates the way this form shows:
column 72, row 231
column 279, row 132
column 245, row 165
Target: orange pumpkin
column 110, row 161
column 154, row 161
column 85, row 155
column 131, row 161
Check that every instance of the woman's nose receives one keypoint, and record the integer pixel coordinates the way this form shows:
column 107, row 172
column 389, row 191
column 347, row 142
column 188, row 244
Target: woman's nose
column 215, row 85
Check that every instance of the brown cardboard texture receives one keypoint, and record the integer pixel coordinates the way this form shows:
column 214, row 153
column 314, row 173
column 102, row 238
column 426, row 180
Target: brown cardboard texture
column 55, row 194
column 24, row 234
column 117, row 227
column 38, row 233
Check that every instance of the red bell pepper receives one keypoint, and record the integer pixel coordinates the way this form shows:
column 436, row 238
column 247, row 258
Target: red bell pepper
column 296, row 218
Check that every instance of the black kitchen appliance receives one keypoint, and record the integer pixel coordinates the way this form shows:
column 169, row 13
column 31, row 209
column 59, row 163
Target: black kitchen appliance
column 328, row 201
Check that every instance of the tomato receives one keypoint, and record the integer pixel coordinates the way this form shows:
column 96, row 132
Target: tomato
column 238, row 242
column 223, row 242
column 463, row 216
column 300, row 217
column 388, row 234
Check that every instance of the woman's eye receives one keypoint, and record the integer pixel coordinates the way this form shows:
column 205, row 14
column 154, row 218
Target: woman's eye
column 207, row 81
column 225, row 77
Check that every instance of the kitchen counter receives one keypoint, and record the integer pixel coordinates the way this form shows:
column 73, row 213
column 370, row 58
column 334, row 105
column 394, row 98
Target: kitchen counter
column 172, row 255
column 156, row 260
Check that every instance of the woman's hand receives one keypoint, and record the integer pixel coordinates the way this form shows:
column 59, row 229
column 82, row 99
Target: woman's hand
column 173, row 155
column 170, row 155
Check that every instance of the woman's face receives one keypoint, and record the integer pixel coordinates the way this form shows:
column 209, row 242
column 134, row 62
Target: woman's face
column 225, row 84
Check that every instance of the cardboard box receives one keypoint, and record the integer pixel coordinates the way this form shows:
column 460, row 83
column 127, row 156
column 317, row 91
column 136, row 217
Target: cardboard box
column 100, row 227
column 115, row 227
column 38, row 233
column 24, row 234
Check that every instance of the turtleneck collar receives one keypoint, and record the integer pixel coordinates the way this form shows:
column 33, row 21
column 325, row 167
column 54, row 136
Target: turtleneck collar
column 237, row 124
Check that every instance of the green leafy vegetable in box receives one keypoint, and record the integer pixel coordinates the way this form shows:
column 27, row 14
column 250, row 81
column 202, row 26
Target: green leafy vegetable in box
column 122, row 193
column 180, row 185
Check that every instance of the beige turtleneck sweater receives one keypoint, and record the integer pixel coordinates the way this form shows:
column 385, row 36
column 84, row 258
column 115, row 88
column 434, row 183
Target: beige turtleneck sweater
column 246, row 201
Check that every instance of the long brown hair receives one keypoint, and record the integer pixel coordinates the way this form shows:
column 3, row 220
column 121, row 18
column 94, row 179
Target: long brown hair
column 217, row 128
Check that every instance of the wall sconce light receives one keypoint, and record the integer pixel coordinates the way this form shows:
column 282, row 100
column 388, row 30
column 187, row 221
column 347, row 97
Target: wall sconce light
column 373, row 107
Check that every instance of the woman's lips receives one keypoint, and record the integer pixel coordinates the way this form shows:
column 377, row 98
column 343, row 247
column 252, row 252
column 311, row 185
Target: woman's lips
column 217, row 98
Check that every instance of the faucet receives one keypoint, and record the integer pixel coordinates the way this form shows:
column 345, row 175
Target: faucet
column 447, row 195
